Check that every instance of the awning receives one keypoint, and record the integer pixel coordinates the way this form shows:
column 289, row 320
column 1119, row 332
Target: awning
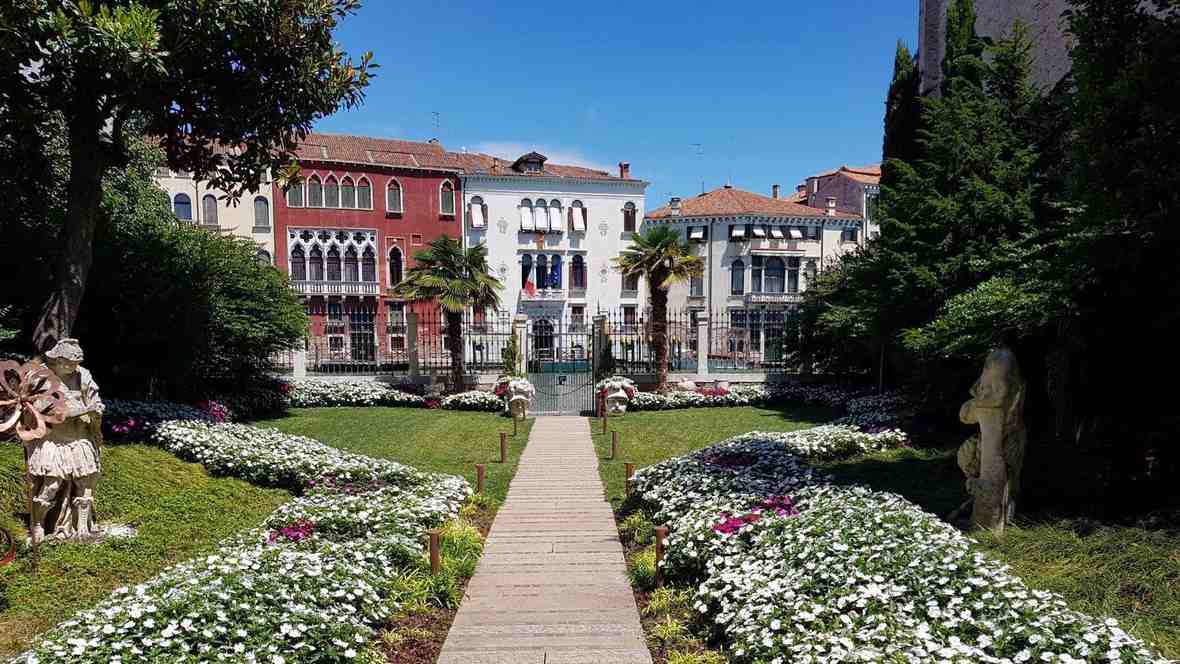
column 759, row 231
column 555, row 219
column 796, row 234
column 476, row 215
column 696, row 233
column 526, row 219
column 737, row 232
column 579, row 216
column 541, row 218
column 776, row 232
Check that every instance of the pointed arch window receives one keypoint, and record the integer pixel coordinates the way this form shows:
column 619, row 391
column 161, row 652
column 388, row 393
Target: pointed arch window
column 364, row 194
column 331, row 192
column 369, row 266
column 526, row 215
column 526, row 270
column 446, row 202
column 737, row 277
column 351, row 265
column 315, row 264
column 629, row 218
column 542, row 272
column 261, row 212
column 395, row 266
column 295, row 194
column 182, row 205
column 209, row 209
column 347, row 193
column 315, row 192
column 578, row 273
column 333, row 264
column 298, row 265
column 393, row 197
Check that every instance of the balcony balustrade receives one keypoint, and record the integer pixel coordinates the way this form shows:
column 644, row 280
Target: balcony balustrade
column 774, row 298
column 336, row 287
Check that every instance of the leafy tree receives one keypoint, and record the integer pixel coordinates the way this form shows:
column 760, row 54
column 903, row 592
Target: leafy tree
column 663, row 259
column 226, row 87
column 458, row 279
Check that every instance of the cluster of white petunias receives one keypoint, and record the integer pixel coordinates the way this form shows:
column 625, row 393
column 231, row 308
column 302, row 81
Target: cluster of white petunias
column 309, row 586
column 848, row 574
column 865, row 410
column 474, row 400
column 315, row 393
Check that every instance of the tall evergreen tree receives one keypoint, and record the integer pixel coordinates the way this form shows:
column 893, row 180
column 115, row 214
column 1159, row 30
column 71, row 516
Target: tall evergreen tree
column 902, row 108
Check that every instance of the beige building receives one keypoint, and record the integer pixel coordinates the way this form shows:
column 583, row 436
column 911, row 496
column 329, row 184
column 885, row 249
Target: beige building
column 252, row 218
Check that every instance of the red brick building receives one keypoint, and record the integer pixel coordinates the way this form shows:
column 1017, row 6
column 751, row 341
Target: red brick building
column 347, row 234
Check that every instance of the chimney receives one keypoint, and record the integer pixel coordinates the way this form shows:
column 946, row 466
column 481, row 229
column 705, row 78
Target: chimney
column 774, row 191
column 831, row 206
column 624, row 170
column 674, row 204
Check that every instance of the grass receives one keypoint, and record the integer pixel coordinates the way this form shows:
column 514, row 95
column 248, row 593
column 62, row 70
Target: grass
column 651, row 437
column 1102, row 569
column 177, row 508
column 449, row 442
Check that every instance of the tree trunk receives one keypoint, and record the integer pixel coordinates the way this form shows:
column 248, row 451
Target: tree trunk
column 455, row 344
column 659, row 333
column 84, row 191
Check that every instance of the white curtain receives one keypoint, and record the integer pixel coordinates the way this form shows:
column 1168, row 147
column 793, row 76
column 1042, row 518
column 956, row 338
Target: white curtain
column 526, row 218
column 555, row 219
column 579, row 219
column 476, row 215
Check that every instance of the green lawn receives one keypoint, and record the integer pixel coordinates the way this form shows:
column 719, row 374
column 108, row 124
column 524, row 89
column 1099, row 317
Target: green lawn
column 1127, row 573
column 448, row 442
column 178, row 509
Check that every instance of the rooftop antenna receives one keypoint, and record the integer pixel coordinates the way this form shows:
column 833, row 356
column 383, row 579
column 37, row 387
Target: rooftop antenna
column 700, row 153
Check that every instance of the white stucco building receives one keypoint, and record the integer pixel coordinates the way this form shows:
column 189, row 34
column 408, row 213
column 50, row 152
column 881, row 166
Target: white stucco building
column 551, row 232
column 252, row 218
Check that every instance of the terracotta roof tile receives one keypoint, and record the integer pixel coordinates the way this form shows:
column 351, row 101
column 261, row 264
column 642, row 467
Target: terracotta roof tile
column 728, row 202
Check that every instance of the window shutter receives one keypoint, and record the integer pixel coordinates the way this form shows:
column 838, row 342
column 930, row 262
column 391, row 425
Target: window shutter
column 526, row 218
column 483, row 207
column 555, row 219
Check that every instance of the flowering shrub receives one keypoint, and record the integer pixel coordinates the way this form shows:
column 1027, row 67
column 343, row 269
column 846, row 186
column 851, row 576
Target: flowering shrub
column 750, row 395
column 216, row 411
column 313, row 393
column 474, row 400
column 310, row 585
column 712, row 391
column 789, row 567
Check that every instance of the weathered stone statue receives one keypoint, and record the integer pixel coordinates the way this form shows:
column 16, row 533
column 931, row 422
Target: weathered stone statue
column 64, row 464
column 520, row 394
column 993, row 459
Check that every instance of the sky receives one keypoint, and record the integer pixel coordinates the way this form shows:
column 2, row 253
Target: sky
column 746, row 93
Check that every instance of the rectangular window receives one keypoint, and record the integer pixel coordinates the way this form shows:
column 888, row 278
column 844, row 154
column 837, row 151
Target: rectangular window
column 628, row 221
column 415, row 239
column 793, row 274
column 811, row 232
column 696, row 286
column 629, row 315
column 756, row 263
column 697, row 233
column 631, row 282
column 336, row 343
column 578, row 314
column 849, row 235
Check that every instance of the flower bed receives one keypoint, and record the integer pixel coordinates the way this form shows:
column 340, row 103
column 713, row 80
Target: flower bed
column 316, row 393
column 474, row 400
column 128, row 419
column 789, row 567
column 309, row 586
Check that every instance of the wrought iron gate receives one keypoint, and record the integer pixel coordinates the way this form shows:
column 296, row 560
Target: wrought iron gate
column 560, row 365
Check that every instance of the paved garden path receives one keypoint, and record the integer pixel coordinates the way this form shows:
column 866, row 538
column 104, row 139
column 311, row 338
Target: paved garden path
column 551, row 587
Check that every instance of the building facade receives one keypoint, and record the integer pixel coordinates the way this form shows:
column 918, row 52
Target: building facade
column 251, row 218
column 855, row 190
column 347, row 233
column 551, row 232
column 760, row 253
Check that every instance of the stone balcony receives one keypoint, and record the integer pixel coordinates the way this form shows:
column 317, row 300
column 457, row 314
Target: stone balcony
column 544, row 295
column 336, row 287
column 774, row 298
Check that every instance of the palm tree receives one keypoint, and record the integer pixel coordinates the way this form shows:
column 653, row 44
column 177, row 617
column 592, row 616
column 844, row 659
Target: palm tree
column 659, row 255
column 457, row 279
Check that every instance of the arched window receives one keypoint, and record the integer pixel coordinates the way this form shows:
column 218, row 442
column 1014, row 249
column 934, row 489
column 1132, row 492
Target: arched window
column 578, row 273
column 526, row 270
column 526, row 215
column 333, row 264
column 393, row 196
column 261, row 212
column 315, row 192
column 295, row 194
column 331, row 192
column 351, row 267
column 775, row 275
column 364, row 194
column 298, row 265
column 477, row 212
column 540, row 216
column 446, row 201
column 315, row 265
column 737, row 277
column 395, row 266
column 556, row 220
column 555, row 272
column 629, row 218
column 209, row 209
column 347, row 193
column 263, row 256
column 369, row 266
column 542, row 272
column 578, row 216
column 182, row 205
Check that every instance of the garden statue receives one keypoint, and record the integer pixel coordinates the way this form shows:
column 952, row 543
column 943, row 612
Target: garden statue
column 518, row 393
column 64, row 463
column 992, row 460
column 616, row 392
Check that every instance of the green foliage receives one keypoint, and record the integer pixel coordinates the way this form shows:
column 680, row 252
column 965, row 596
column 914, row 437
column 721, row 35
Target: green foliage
column 696, row 657
column 637, row 529
column 511, row 355
column 661, row 257
column 972, row 323
column 178, row 310
column 668, row 600
column 902, row 108
column 457, row 278
column 641, row 569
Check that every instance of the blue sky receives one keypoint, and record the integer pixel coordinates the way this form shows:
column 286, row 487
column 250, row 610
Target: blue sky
column 773, row 92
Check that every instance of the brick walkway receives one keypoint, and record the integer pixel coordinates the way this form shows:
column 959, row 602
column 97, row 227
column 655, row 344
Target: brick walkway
column 551, row 587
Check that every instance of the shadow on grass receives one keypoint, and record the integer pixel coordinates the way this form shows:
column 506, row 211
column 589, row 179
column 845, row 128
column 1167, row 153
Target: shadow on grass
column 930, row 479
